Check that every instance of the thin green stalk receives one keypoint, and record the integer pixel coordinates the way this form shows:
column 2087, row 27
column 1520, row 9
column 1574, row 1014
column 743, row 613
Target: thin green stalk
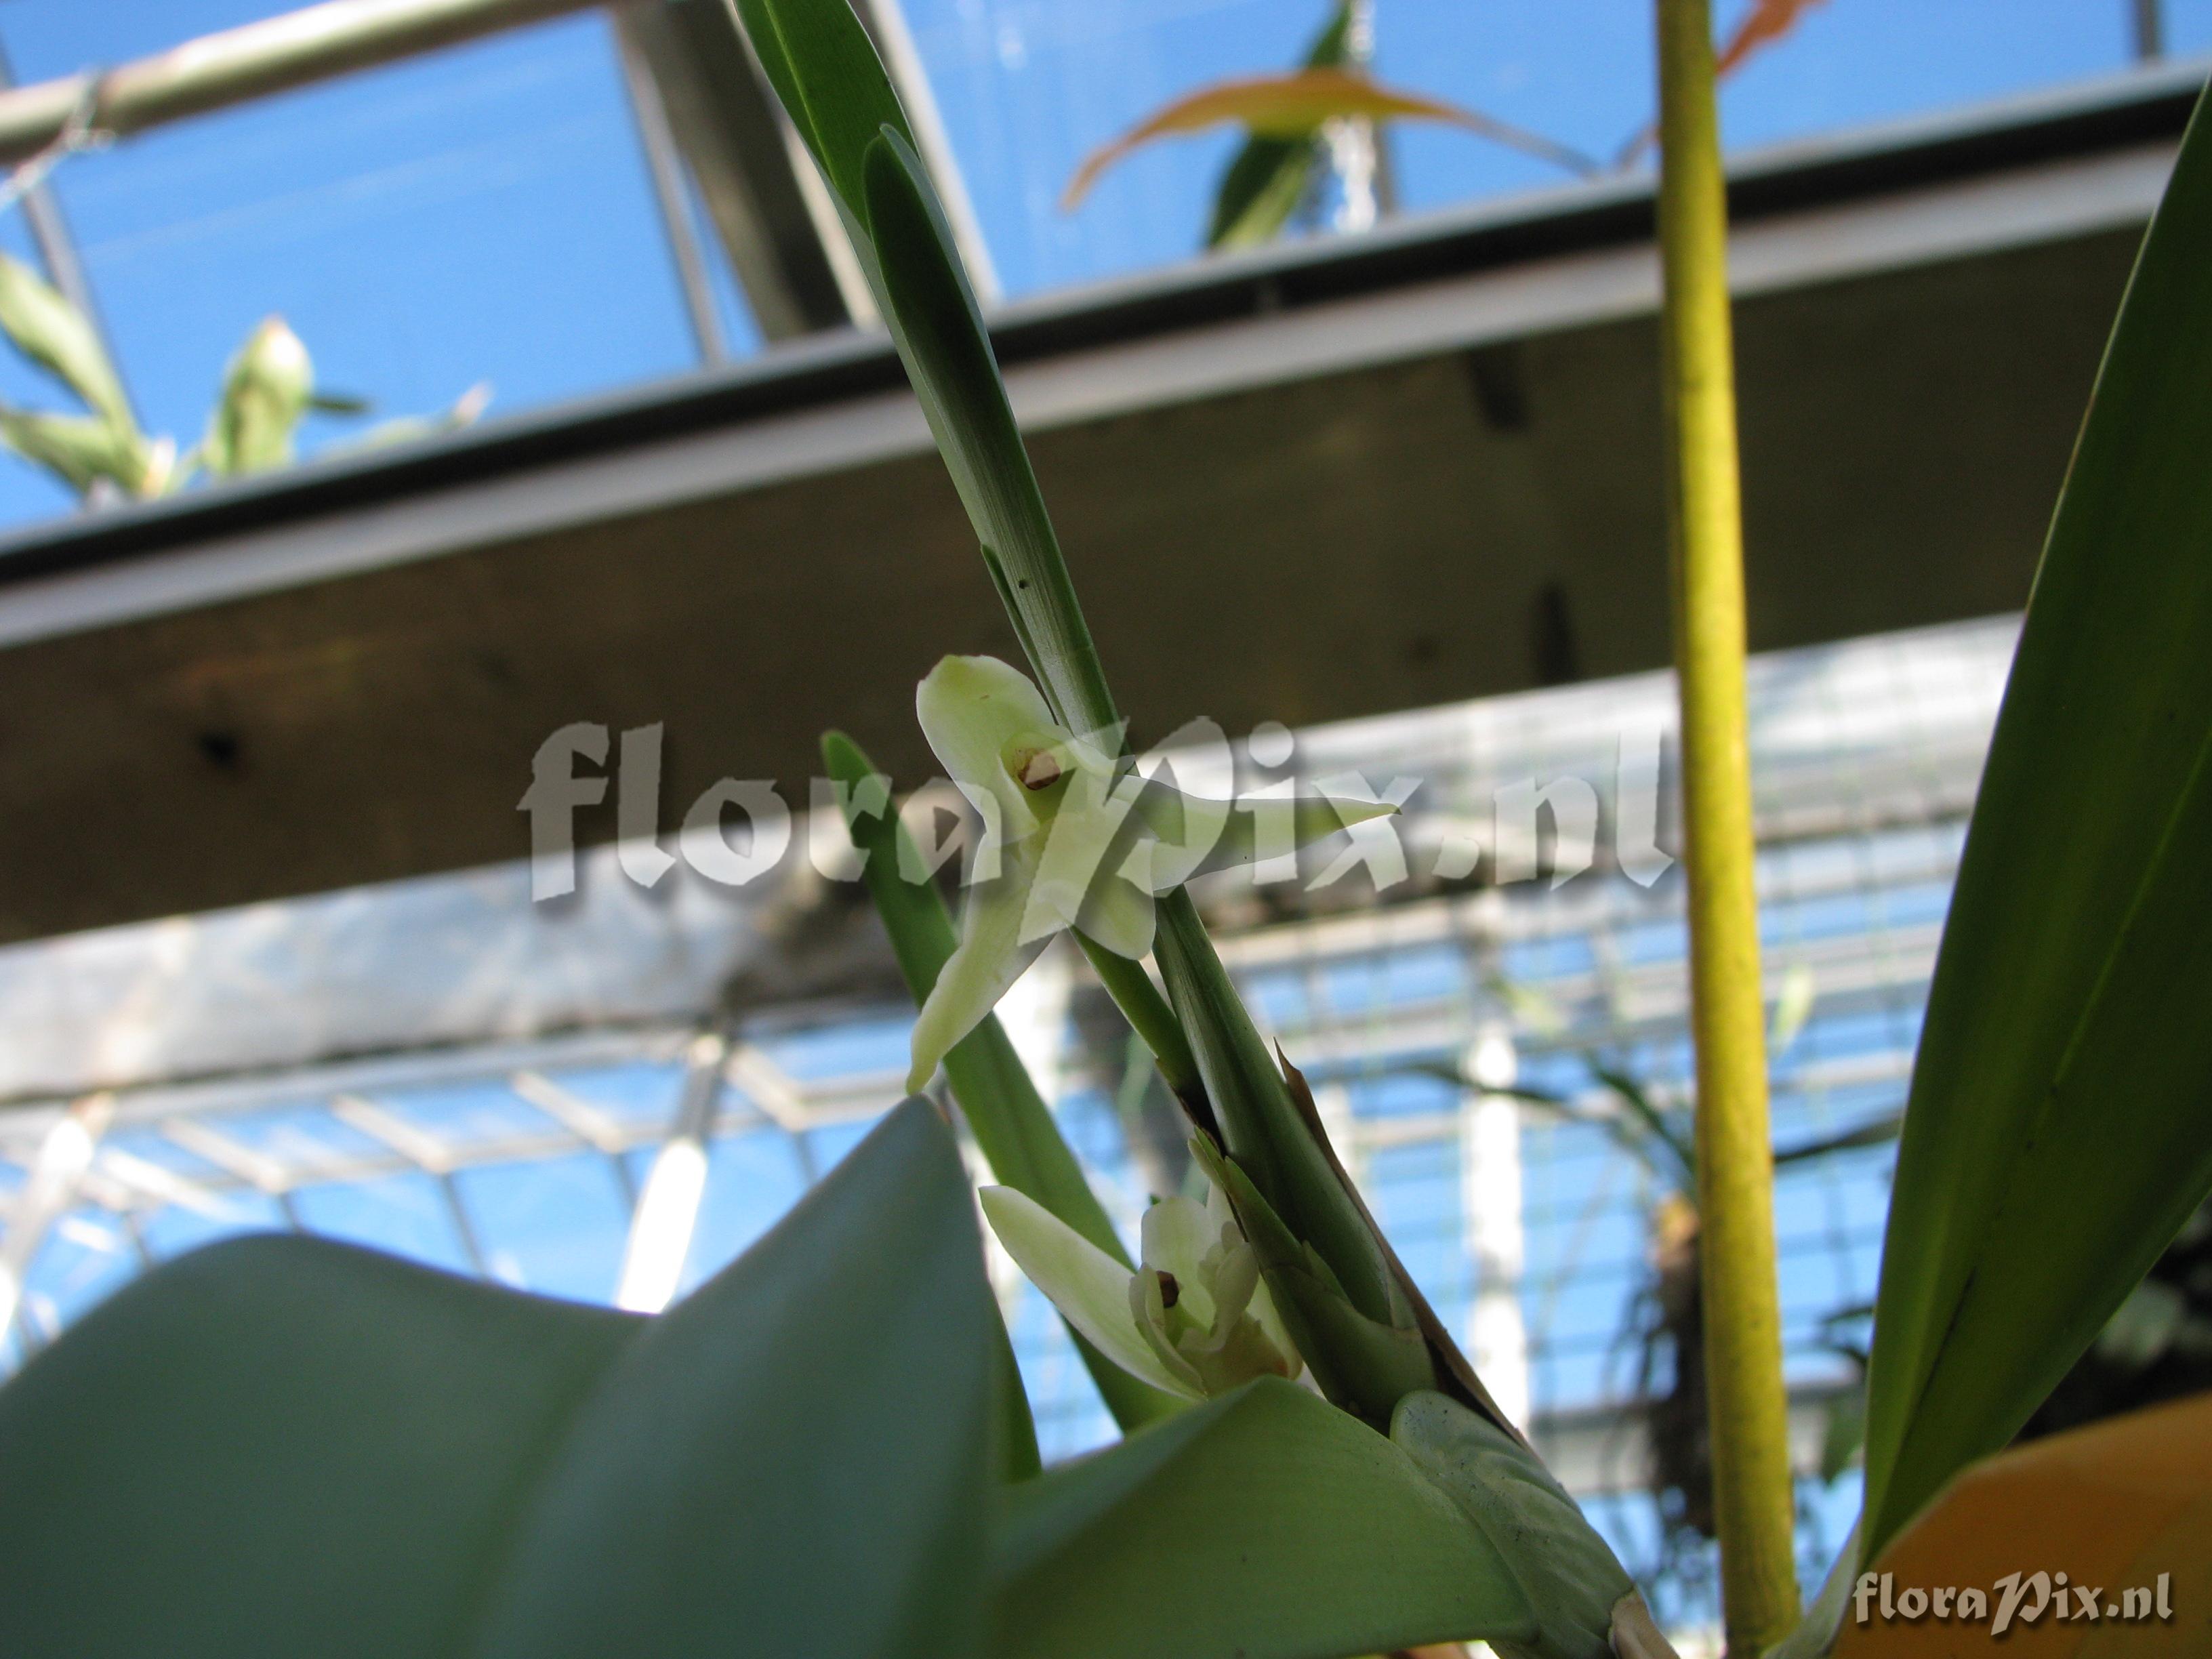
column 1155, row 1022
column 1735, row 1162
column 1012, row 1125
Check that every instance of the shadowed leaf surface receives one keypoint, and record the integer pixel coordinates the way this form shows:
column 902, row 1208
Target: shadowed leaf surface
column 285, row 1446
column 1266, row 1524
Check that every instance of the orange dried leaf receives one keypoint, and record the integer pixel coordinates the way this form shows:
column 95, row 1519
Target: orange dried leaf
column 2112, row 1506
column 1295, row 104
column 1767, row 21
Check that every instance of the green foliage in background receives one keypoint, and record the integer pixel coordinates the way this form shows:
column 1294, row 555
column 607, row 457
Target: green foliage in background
column 268, row 390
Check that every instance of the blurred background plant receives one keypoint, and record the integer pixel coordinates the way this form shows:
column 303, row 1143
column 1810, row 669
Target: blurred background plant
column 1316, row 147
column 102, row 453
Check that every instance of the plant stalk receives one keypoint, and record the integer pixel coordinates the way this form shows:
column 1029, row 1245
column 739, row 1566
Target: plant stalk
column 1752, row 1493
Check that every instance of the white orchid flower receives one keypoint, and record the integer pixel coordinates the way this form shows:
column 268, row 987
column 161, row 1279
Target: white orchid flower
column 1072, row 838
column 1194, row 1320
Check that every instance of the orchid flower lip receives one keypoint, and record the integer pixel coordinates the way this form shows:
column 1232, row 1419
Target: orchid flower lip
column 1193, row 1319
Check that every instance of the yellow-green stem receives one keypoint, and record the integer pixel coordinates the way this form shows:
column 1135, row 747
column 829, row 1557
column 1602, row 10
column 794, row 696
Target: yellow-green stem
column 1752, row 1495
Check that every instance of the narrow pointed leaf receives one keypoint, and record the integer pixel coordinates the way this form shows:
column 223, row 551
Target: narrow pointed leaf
column 826, row 73
column 2056, row 1138
column 1261, row 1124
column 1265, row 1524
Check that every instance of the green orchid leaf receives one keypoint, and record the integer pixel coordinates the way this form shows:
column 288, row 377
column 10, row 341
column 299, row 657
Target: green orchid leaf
column 1265, row 1524
column 1262, row 188
column 2055, row 1139
column 948, row 356
column 285, row 1446
column 1014, row 1453
column 60, row 339
column 826, row 73
column 1009, row 1119
column 1569, row 1574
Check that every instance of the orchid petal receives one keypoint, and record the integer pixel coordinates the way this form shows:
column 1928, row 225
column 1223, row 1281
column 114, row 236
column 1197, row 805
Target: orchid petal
column 1176, row 1237
column 1148, row 1309
column 971, row 709
column 991, row 955
column 1088, row 1287
column 1193, row 837
column 1185, row 831
column 1092, row 814
column 1120, row 916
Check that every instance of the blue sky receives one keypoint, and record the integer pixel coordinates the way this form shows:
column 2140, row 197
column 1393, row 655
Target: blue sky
column 484, row 215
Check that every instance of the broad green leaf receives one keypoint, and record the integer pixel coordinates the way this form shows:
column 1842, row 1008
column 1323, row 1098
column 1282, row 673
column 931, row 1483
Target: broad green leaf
column 2122, row 1508
column 58, row 338
column 1297, row 106
column 1011, row 1122
column 279, row 1446
column 284, row 1447
column 2057, row 1134
column 1567, row 1573
column 1266, row 1524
